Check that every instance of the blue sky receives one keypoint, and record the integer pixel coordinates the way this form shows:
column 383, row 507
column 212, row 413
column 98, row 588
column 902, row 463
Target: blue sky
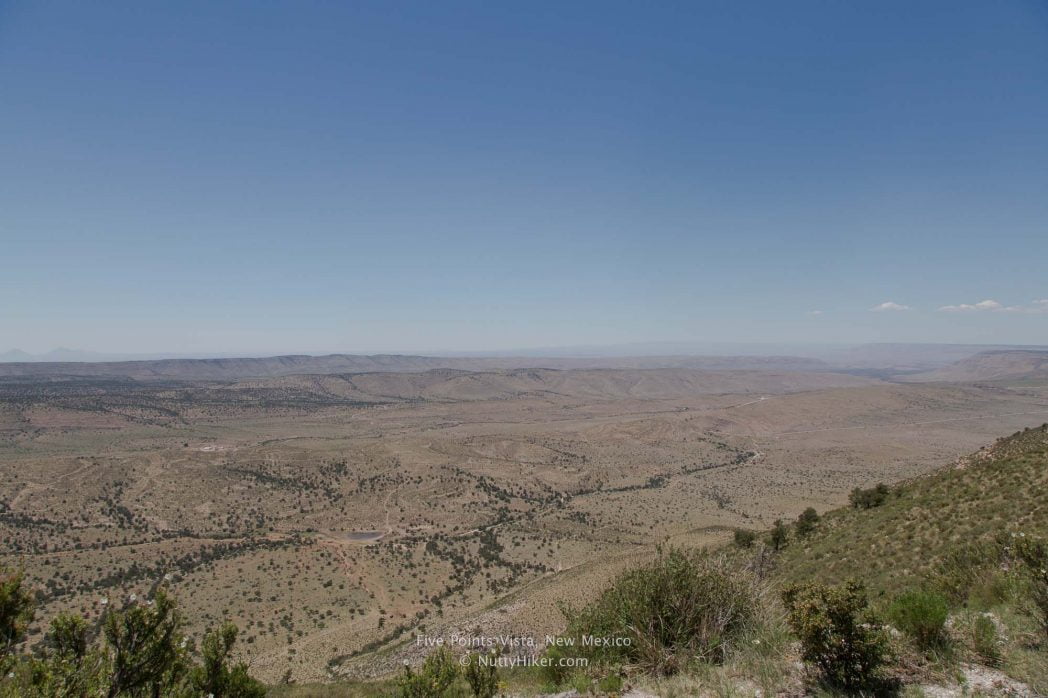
column 265, row 177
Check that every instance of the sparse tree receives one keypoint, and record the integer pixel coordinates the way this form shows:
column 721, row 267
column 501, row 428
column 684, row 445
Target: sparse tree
column 147, row 651
column 837, row 634
column 780, row 534
column 744, row 538
column 71, row 667
column 16, row 613
column 433, row 679
column 215, row 677
column 868, row 499
column 67, row 637
column 483, row 677
column 806, row 522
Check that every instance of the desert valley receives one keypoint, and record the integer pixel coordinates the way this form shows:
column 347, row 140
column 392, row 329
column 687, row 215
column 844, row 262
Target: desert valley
column 339, row 508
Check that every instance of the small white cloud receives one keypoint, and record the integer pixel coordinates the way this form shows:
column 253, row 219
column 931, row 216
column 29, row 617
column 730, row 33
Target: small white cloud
column 814, row 312
column 1038, row 306
column 888, row 306
column 972, row 307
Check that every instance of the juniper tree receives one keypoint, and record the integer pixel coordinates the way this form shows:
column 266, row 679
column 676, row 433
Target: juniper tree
column 215, row 677
column 779, row 535
column 806, row 522
column 16, row 613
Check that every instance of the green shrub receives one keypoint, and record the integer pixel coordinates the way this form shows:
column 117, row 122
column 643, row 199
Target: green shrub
column 16, row 613
column 144, row 642
column 67, row 637
column 661, row 616
column 582, row 684
column 869, row 498
column 141, row 650
column 553, row 671
column 434, row 678
column 984, row 639
column 610, row 684
column 960, row 571
column 1033, row 553
column 70, row 666
column 921, row 615
column 779, row 535
column 837, row 634
column 215, row 676
column 483, row 677
column 997, row 588
column 744, row 538
column 806, row 522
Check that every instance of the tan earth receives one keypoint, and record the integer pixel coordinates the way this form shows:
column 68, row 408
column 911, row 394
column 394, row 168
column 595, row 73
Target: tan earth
column 336, row 518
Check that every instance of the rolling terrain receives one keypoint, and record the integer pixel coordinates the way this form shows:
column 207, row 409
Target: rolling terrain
column 333, row 516
column 1010, row 365
column 1001, row 489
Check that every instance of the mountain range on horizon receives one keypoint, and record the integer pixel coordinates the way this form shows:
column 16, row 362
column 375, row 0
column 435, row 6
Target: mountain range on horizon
column 870, row 354
column 883, row 361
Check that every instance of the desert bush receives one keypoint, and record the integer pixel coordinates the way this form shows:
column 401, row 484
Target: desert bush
column 921, row 615
column 141, row 651
column 779, row 535
column 553, row 671
column 1033, row 554
column 961, row 570
column 744, row 538
column 483, row 679
column 16, row 613
column 984, row 639
column 659, row 617
column 434, row 679
column 998, row 587
column 761, row 563
column 67, row 637
column 869, row 498
column 144, row 642
column 215, row 676
column 610, row 685
column 70, row 667
column 806, row 522
column 837, row 634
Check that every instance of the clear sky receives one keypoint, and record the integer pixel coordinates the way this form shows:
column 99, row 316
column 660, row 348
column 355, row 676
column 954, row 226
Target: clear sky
column 266, row 177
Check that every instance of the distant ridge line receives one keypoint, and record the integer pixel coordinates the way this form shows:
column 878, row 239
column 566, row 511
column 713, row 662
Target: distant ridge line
column 292, row 364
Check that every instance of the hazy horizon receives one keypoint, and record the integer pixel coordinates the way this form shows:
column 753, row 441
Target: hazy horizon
column 627, row 350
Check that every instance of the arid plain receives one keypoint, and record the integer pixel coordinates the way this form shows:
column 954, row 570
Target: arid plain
column 336, row 516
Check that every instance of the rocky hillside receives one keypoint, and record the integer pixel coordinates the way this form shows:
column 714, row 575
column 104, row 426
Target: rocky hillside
column 646, row 384
column 1000, row 490
column 1012, row 365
